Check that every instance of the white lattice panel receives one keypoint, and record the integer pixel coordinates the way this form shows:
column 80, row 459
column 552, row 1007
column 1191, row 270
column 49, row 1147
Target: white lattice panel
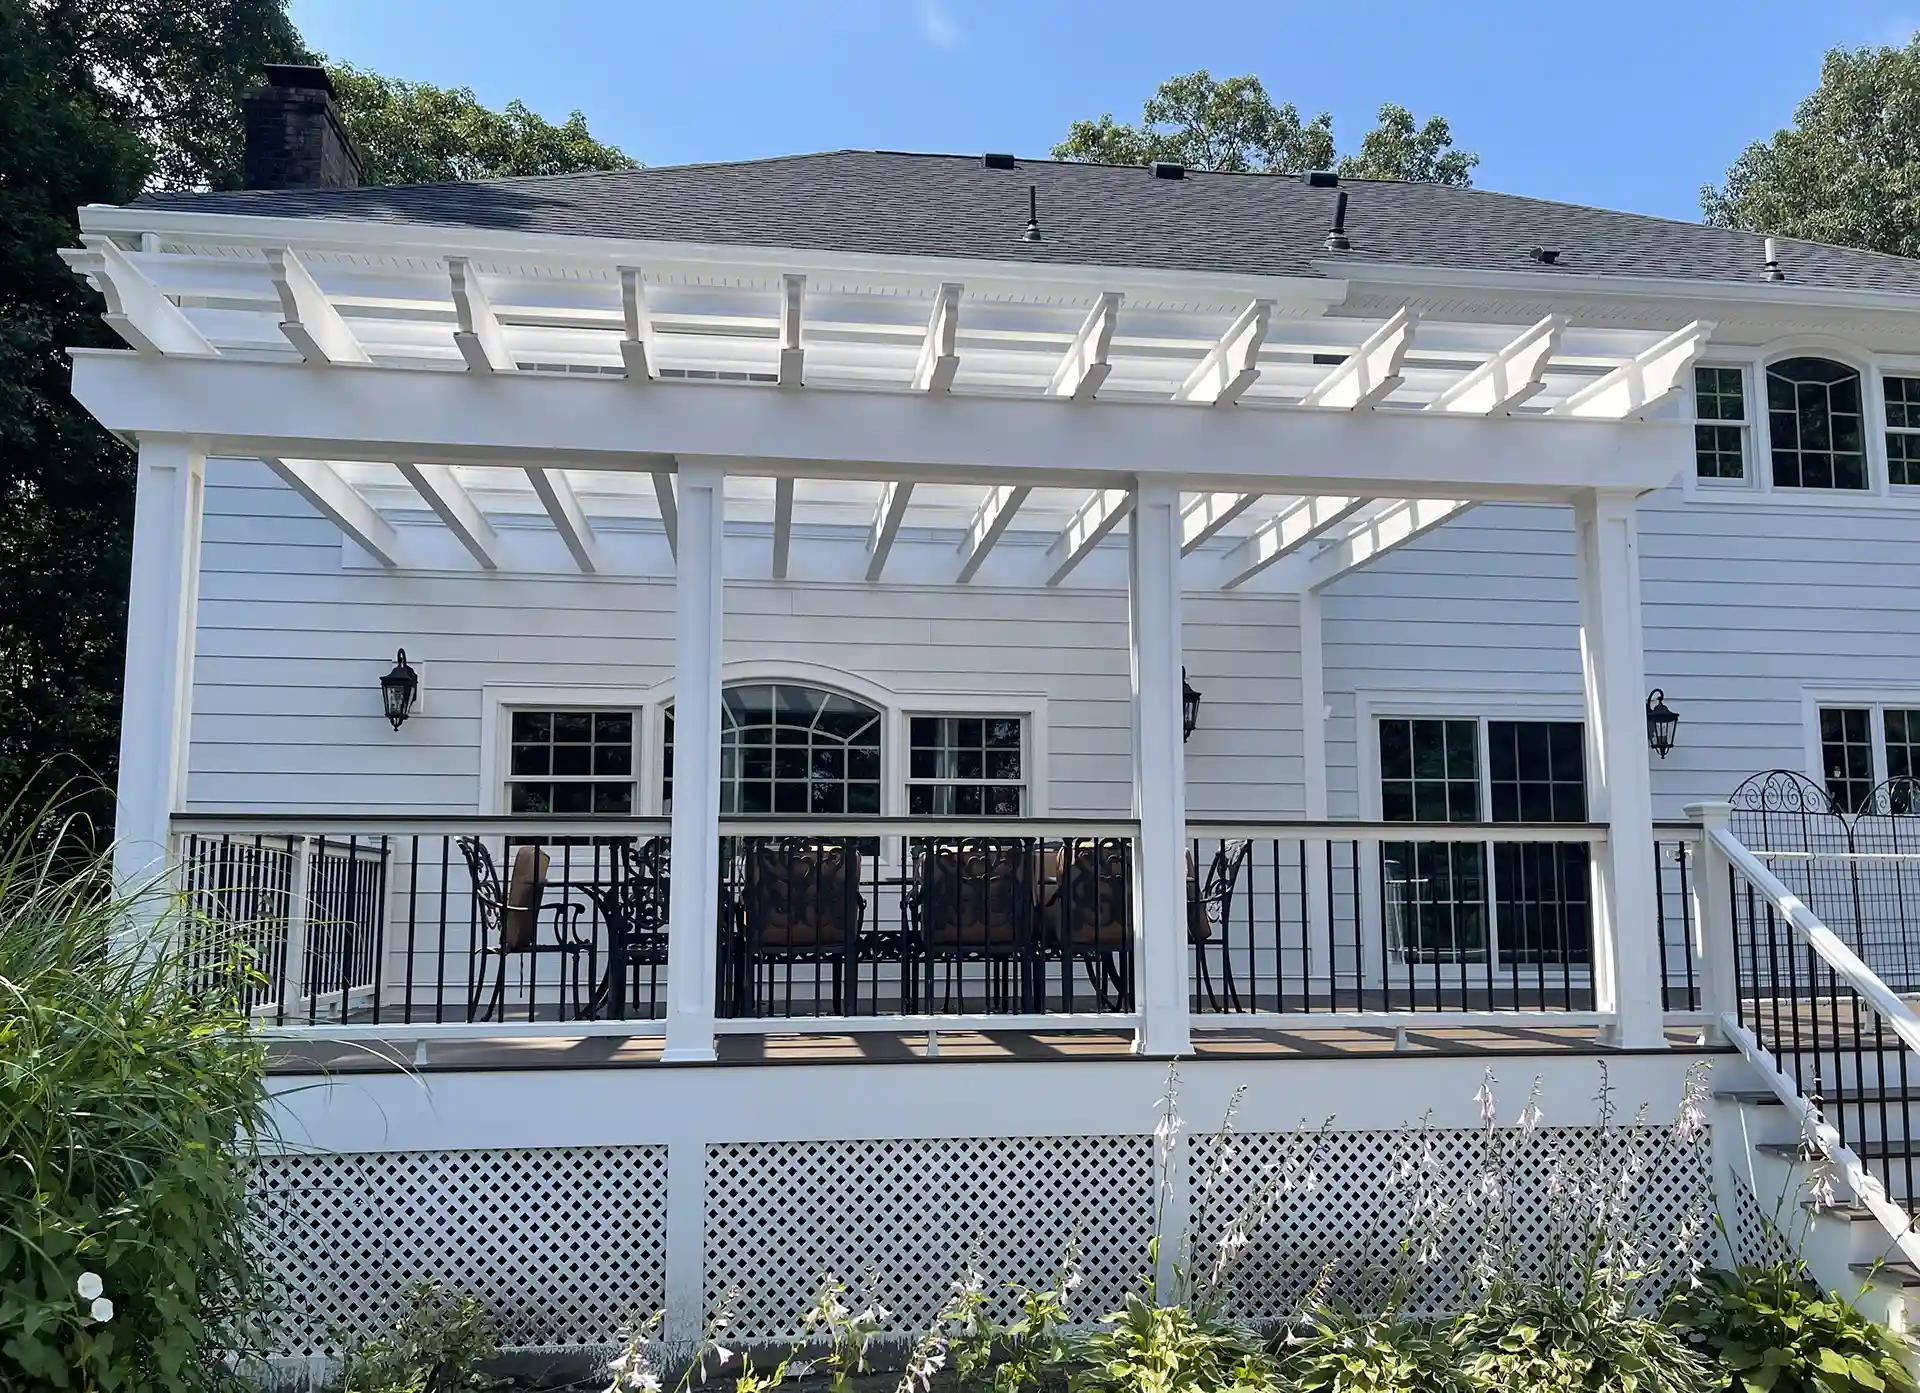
column 908, row 1217
column 1758, row 1235
column 562, row 1245
column 1350, row 1208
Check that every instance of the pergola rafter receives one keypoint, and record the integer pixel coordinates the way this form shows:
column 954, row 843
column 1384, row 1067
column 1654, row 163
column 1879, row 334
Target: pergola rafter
column 1077, row 363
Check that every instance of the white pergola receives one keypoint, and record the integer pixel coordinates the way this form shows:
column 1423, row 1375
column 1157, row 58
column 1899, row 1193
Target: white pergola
column 504, row 404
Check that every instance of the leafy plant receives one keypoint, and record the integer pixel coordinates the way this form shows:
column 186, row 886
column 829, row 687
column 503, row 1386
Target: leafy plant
column 1168, row 1349
column 130, row 1097
column 849, row 1332
column 1336, row 1349
column 437, row 1346
column 1577, row 1338
column 1773, row 1330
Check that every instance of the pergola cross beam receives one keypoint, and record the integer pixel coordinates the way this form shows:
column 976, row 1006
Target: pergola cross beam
column 569, row 520
column 1084, row 366
column 1091, row 522
column 1233, row 364
column 310, row 321
column 1636, row 387
column 793, row 357
column 444, row 493
column 1394, row 526
column 1510, row 377
column 990, row 522
column 939, row 359
column 479, row 337
column 636, row 322
column 1371, row 372
column 1285, row 533
column 887, row 517
column 330, row 495
column 136, row 309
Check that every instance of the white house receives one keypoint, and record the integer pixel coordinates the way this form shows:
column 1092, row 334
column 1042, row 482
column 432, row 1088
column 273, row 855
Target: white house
column 897, row 647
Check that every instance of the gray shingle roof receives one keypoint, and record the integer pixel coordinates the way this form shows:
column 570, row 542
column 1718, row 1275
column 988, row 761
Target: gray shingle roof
column 951, row 205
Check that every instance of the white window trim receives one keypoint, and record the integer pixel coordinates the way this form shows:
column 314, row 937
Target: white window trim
column 1759, row 487
column 497, row 703
column 1029, row 709
column 1877, row 699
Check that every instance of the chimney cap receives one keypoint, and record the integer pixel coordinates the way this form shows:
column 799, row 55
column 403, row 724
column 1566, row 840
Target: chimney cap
column 309, row 76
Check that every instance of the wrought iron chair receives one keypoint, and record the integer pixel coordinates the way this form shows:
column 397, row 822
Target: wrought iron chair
column 506, row 924
column 634, row 907
column 973, row 901
column 1209, row 911
column 801, row 903
column 1086, row 915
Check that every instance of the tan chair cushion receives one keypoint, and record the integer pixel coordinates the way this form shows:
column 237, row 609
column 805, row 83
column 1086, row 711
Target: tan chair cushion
column 520, row 916
column 975, row 894
column 801, row 897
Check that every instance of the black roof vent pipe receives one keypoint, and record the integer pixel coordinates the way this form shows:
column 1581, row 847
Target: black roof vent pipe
column 1337, row 237
column 1032, row 233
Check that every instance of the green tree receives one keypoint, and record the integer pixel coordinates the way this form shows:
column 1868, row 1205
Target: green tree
column 1848, row 170
column 1233, row 125
column 412, row 133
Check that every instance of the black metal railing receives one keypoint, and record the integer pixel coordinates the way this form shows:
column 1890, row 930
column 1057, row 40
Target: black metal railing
column 1676, row 864
column 1816, row 1023
column 962, row 918
column 1343, row 918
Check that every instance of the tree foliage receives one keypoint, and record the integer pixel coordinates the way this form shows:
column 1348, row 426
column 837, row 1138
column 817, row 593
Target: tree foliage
column 1848, row 170
column 413, row 133
column 1232, row 124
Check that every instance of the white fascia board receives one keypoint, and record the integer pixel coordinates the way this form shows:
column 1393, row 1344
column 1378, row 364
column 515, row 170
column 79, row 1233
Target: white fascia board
column 520, row 419
column 990, row 522
column 1296, row 294
column 569, row 520
column 340, row 503
column 1094, row 519
column 1285, row 533
column 442, row 492
column 309, row 319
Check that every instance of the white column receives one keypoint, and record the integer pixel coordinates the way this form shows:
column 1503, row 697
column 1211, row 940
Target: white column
column 1626, row 937
column 157, row 697
column 1159, row 772
column 1317, row 933
column 694, row 903
column 1713, row 918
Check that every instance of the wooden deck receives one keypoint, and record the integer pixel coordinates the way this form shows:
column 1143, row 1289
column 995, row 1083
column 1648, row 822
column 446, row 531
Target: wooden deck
column 612, row 1052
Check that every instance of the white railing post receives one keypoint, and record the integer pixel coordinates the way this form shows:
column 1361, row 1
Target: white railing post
column 1712, row 894
column 694, row 888
column 156, row 697
column 294, row 989
column 1159, row 772
column 1317, row 933
column 1626, row 939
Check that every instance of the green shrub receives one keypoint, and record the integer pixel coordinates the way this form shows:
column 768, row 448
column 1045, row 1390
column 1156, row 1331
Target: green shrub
column 1335, row 1349
column 1772, row 1330
column 128, row 1108
column 438, row 1345
column 1168, row 1349
column 1574, row 1339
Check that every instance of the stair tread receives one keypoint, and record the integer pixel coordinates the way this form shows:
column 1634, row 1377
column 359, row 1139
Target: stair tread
column 1896, row 1270
column 1865, row 1150
column 1767, row 1098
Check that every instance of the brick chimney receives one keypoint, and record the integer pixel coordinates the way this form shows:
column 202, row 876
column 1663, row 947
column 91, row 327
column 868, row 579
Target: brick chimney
column 295, row 139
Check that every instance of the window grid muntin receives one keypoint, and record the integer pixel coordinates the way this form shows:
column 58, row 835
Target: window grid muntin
column 1816, row 425
column 571, row 761
column 1900, row 729
column 1536, row 772
column 1430, row 772
column 1720, row 423
column 1903, row 430
column 1846, row 754
column 966, row 766
column 839, row 733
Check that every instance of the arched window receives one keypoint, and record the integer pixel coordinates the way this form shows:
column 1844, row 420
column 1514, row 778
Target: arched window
column 1815, row 420
column 786, row 748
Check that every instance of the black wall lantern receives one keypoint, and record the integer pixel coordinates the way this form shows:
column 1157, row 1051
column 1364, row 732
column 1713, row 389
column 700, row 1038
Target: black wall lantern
column 1662, row 722
column 1189, row 708
column 399, row 689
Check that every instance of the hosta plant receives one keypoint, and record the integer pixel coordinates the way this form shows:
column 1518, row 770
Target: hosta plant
column 1144, row 1348
column 1336, row 1349
column 1576, row 1338
column 1773, row 1330
column 439, row 1345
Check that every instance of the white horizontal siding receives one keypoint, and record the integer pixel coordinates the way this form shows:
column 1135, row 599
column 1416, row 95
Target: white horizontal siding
column 291, row 647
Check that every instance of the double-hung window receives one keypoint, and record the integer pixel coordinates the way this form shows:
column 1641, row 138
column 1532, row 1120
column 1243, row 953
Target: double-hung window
column 966, row 766
column 1500, row 903
column 570, row 762
column 1903, row 430
column 1863, row 744
column 1720, row 431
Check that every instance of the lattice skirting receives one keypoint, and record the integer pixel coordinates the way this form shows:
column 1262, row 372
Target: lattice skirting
column 568, row 1245
column 562, row 1245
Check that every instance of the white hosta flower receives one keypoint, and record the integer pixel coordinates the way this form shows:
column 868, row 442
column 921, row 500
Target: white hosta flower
column 1489, row 1106
column 89, row 1286
column 101, row 1310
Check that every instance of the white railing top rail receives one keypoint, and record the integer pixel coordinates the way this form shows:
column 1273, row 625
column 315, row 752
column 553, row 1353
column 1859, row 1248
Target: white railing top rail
column 1846, row 964
column 411, row 824
column 1292, row 829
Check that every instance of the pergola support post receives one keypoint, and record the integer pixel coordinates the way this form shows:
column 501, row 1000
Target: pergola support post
column 1626, row 937
column 161, row 605
column 694, row 895
column 1712, row 892
column 1159, row 772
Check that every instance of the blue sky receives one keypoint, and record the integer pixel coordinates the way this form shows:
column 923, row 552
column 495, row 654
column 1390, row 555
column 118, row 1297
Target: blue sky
column 1625, row 104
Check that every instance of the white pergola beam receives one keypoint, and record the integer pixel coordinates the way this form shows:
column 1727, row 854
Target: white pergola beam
column 1394, row 526
column 309, row 320
column 442, row 492
column 1084, row 366
column 137, row 310
column 669, row 508
column 894, row 497
column 557, row 497
column 793, row 358
column 636, row 339
column 481, row 340
column 782, row 524
column 340, row 503
column 1370, row 373
column 989, row 524
column 938, row 359
column 1285, row 533
column 1233, row 364
column 1511, row 376
column 1093, row 520
column 1207, row 514
column 1634, row 388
